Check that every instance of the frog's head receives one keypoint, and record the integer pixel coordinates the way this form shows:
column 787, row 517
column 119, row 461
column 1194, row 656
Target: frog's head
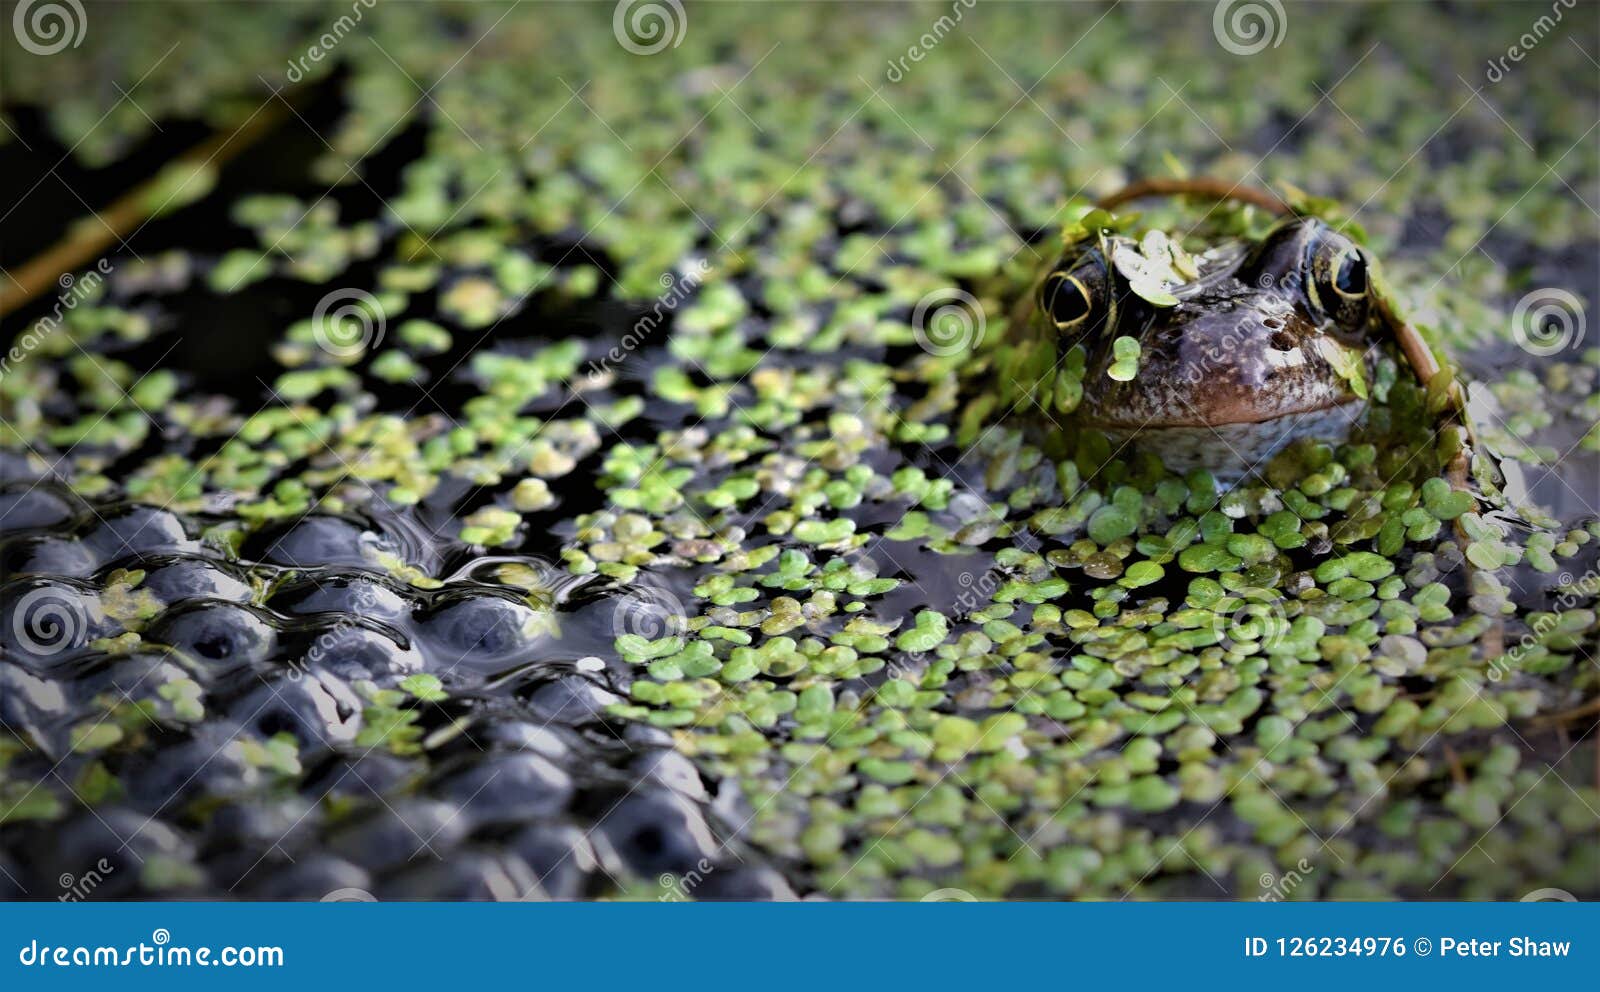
column 1248, row 344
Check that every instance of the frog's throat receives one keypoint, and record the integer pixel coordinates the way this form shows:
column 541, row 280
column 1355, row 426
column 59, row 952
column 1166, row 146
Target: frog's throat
column 1232, row 451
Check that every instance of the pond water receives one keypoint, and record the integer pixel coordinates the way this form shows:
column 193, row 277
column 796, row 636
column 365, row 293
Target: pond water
column 557, row 564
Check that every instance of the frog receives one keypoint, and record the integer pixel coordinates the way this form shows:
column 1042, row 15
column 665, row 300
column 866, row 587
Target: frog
column 1241, row 348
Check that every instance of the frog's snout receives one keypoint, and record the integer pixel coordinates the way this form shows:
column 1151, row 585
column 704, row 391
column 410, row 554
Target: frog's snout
column 1240, row 358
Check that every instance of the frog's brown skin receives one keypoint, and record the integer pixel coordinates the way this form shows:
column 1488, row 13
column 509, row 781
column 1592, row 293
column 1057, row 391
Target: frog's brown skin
column 1247, row 361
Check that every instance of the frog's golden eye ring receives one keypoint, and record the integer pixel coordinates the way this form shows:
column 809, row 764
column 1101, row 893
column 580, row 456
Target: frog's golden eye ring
column 1349, row 270
column 1065, row 300
column 1339, row 283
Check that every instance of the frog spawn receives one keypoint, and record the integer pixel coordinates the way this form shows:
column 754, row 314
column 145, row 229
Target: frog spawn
column 219, row 715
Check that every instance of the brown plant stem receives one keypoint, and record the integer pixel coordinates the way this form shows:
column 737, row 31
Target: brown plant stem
column 1205, row 186
column 89, row 238
column 1591, row 708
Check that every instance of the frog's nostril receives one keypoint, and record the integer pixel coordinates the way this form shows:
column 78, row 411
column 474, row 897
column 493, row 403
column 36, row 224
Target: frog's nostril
column 1282, row 340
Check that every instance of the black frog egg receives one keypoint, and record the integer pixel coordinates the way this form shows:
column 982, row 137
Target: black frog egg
column 206, row 762
column 318, row 876
column 137, row 530
column 354, row 594
column 46, row 554
column 225, row 637
column 399, row 831
column 510, row 788
column 251, row 826
column 561, row 856
column 318, row 709
column 352, row 651
column 184, row 579
column 540, row 738
column 671, row 769
column 466, row 875
column 318, row 541
column 570, row 699
column 118, row 844
column 50, row 620
column 659, row 831
column 25, row 467
column 743, row 883
column 485, row 630
column 30, row 508
column 30, row 705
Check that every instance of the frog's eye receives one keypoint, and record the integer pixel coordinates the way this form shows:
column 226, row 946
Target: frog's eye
column 1339, row 279
column 1066, row 299
column 1349, row 270
column 1074, row 296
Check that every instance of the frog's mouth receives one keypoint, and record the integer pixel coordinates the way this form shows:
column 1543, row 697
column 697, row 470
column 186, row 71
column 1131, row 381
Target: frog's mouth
column 1227, row 357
